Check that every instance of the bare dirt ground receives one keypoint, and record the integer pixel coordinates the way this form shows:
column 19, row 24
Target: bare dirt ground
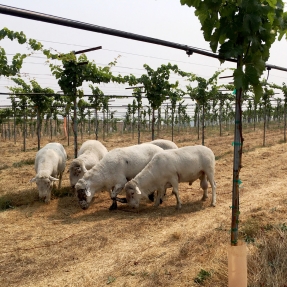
column 60, row 244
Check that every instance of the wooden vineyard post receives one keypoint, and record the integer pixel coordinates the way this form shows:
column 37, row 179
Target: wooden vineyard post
column 237, row 257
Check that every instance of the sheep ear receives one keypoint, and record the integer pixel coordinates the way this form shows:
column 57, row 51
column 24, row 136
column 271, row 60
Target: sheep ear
column 53, row 178
column 138, row 190
column 88, row 192
column 84, row 169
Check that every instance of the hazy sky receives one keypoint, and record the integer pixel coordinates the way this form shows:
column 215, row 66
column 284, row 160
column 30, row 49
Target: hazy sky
column 161, row 19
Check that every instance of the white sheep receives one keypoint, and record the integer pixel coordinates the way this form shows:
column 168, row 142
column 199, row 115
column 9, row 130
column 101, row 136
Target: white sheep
column 185, row 164
column 113, row 171
column 164, row 144
column 50, row 163
column 90, row 153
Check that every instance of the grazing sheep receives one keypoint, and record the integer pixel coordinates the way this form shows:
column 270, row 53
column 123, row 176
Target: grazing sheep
column 185, row 164
column 164, row 144
column 50, row 163
column 90, row 153
column 113, row 171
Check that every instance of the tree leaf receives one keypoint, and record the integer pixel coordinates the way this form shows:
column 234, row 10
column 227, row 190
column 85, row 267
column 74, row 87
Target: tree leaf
column 258, row 92
column 238, row 76
column 251, row 75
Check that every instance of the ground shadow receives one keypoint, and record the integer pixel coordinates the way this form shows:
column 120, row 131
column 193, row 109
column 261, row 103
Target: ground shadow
column 99, row 210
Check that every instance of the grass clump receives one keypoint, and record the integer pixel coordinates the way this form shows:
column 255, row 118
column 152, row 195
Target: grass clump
column 5, row 204
column 21, row 163
column 4, row 166
column 249, row 229
column 111, row 279
column 269, row 259
column 202, row 276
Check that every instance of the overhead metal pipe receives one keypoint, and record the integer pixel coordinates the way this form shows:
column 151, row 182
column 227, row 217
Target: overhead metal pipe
column 87, row 50
column 32, row 15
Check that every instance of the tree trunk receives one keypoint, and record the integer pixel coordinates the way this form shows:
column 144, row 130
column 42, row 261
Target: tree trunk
column 159, row 122
column 152, row 125
column 203, row 123
column 237, row 157
column 75, row 126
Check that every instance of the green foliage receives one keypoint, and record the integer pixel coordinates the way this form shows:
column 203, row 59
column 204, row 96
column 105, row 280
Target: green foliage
column 19, row 36
column 97, row 99
column 156, row 83
column 206, row 90
column 245, row 31
column 42, row 102
column 17, row 60
column 74, row 71
column 202, row 276
column 283, row 227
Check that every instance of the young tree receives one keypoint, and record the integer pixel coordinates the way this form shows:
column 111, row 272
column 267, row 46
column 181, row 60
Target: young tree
column 41, row 100
column 71, row 74
column 283, row 88
column 174, row 95
column 245, row 31
column 138, row 96
column 205, row 91
column 157, row 85
column 268, row 93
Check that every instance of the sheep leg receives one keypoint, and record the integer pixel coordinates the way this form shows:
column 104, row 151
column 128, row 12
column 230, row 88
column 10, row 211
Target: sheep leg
column 122, row 200
column 175, row 192
column 210, row 178
column 115, row 191
column 151, row 197
column 160, row 195
column 213, row 186
column 60, row 180
column 204, row 186
column 48, row 197
column 114, row 205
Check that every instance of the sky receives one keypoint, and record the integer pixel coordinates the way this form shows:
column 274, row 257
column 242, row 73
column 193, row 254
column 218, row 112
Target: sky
column 161, row 19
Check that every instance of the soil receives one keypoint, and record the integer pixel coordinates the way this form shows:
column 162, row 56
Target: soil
column 59, row 244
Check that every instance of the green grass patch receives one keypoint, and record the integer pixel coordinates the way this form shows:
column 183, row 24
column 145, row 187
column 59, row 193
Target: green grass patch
column 250, row 228
column 29, row 161
column 202, row 276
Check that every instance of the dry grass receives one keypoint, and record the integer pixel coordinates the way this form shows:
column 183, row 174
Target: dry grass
column 61, row 245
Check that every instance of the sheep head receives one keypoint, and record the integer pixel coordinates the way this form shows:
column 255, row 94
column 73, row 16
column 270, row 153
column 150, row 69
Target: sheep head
column 84, row 194
column 44, row 185
column 133, row 194
column 76, row 171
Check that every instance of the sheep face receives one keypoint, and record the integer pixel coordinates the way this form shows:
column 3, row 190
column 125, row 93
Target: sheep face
column 76, row 172
column 83, row 193
column 133, row 194
column 45, row 186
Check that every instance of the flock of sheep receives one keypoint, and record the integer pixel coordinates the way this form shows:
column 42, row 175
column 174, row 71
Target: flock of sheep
column 140, row 171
